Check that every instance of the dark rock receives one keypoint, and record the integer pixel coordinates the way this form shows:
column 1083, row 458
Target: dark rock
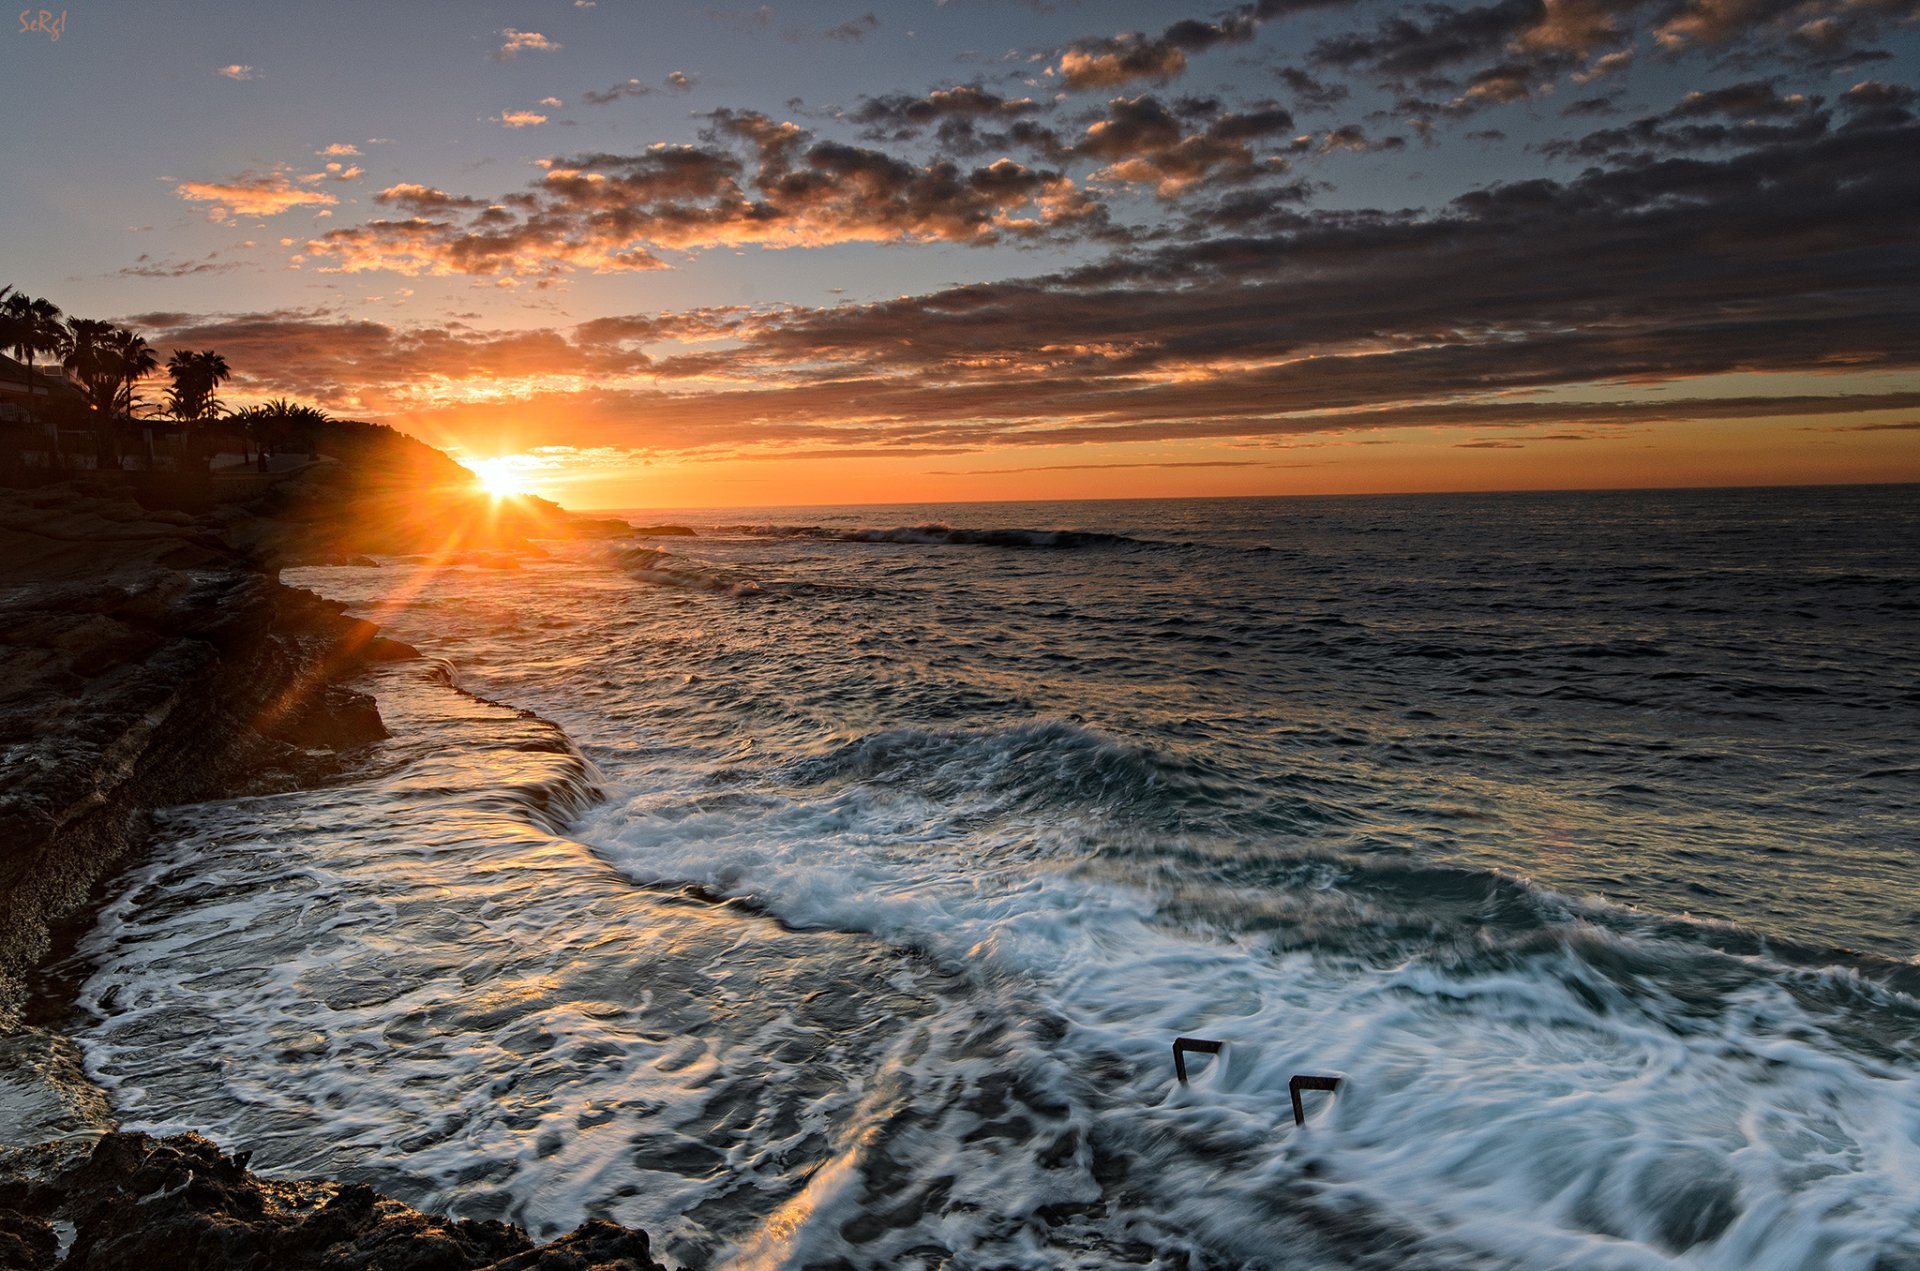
column 26, row 1242
column 180, row 1203
column 659, row 531
column 337, row 718
column 127, row 683
column 387, row 649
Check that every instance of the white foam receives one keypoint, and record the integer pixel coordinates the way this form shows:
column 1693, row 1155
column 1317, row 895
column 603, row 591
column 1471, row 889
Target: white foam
column 1538, row 1111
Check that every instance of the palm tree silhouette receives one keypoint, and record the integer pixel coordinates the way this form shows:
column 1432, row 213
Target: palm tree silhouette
column 107, row 360
column 29, row 326
column 196, row 377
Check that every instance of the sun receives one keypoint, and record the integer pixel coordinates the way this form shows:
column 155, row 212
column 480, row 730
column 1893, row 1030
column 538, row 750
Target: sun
column 499, row 477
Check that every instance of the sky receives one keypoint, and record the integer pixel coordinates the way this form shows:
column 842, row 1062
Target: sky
column 654, row 255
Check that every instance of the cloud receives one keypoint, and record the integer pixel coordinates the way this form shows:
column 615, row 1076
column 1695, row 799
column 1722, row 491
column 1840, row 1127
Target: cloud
column 145, row 266
column 238, row 70
column 618, row 92
column 254, row 194
column 1755, row 99
column 1602, row 104
column 1101, row 467
column 676, row 81
column 1311, row 93
column 521, row 118
column 748, row 20
column 339, row 150
column 898, row 111
column 1546, row 304
column 1745, row 114
column 1511, row 50
column 424, row 200
column 1353, row 139
column 967, row 118
column 513, row 43
column 752, row 181
column 853, row 31
column 1141, row 141
column 1117, row 60
column 1605, row 65
column 1875, row 104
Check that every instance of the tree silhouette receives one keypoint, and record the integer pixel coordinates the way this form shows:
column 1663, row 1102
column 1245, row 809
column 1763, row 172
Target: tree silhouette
column 196, row 380
column 280, row 421
column 29, row 326
column 107, row 360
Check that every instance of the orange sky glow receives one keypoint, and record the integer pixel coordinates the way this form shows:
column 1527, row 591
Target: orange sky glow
column 713, row 258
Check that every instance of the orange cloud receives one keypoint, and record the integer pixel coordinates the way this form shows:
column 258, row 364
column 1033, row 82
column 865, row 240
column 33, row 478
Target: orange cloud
column 1110, row 68
column 608, row 212
column 254, row 194
column 514, row 43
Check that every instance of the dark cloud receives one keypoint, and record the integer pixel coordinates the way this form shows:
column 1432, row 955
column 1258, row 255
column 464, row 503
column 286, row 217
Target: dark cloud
column 1604, row 104
column 1401, row 48
column 144, row 266
column 1143, row 141
column 1753, row 114
column 1353, row 138
column 1793, row 258
column 1117, row 60
column 1102, row 467
column 618, row 92
column 677, row 81
column 751, row 180
column 1512, row 50
column 853, row 31
column 1311, row 93
column 1819, row 32
column 1874, row 104
column 899, row 116
column 743, row 19
column 1755, row 99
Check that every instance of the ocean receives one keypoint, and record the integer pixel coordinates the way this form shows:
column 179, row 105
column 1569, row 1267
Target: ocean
column 827, row 888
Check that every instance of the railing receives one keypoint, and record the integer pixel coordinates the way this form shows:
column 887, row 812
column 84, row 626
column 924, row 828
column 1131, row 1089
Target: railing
column 1183, row 1046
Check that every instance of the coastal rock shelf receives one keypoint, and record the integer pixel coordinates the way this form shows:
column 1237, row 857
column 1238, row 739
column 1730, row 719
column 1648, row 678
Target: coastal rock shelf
column 144, row 661
column 129, row 1200
column 150, row 657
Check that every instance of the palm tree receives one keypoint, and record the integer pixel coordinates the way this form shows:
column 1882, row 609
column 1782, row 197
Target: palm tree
column 29, row 326
column 136, row 360
column 196, row 378
column 307, row 421
column 107, row 360
column 281, row 422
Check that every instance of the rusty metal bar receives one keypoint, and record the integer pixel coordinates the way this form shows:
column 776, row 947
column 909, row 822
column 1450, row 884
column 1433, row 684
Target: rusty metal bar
column 1181, row 1045
column 1306, row 1081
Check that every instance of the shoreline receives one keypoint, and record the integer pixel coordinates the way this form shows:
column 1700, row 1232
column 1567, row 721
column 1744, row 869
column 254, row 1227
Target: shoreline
column 157, row 659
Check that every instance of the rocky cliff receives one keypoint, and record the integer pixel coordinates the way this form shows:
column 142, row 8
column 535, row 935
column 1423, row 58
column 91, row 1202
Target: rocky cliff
column 144, row 661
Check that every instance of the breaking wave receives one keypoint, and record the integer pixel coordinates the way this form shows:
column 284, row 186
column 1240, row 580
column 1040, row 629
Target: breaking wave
column 941, row 535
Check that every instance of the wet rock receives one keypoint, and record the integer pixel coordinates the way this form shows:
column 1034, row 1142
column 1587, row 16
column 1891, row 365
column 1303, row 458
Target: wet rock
column 144, row 661
column 181, row 1203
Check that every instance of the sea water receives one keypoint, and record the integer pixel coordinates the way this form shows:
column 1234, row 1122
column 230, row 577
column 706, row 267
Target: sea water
column 826, row 888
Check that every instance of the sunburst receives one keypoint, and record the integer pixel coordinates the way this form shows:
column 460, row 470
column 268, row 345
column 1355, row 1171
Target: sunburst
column 500, row 477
